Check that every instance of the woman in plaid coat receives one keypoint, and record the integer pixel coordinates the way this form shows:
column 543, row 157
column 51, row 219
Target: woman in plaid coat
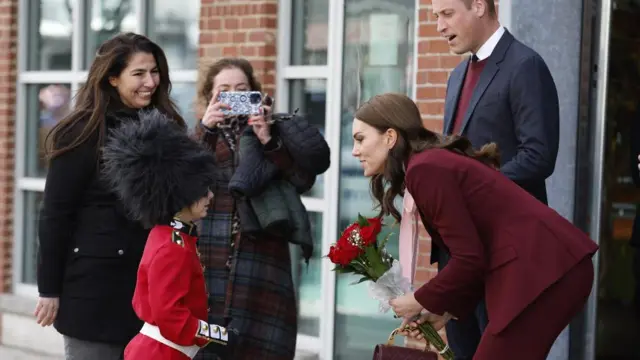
column 249, row 276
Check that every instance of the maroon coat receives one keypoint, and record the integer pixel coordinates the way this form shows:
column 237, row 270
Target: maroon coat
column 501, row 239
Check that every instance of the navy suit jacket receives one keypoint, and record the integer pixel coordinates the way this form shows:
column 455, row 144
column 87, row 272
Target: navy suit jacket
column 515, row 105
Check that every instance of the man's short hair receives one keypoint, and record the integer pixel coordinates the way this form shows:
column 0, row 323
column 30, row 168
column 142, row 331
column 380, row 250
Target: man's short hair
column 491, row 6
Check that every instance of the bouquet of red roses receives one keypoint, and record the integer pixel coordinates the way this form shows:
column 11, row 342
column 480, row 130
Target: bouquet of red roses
column 358, row 251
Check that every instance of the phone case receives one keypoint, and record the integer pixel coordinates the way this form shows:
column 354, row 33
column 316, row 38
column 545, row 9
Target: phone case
column 241, row 102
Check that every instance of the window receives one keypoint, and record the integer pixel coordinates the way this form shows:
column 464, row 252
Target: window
column 302, row 86
column 308, row 97
column 377, row 58
column 308, row 281
column 309, row 32
column 60, row 38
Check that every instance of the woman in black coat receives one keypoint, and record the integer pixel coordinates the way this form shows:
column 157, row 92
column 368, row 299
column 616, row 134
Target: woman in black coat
column 89, row 249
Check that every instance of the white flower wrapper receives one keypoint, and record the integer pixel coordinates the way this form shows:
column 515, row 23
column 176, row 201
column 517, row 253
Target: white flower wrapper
column 389, row 286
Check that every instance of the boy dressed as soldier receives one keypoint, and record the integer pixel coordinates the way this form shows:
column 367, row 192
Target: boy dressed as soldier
column 163, row 178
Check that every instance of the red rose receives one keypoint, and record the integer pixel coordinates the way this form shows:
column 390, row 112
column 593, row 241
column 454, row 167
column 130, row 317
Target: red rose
column 349, row 253
column 344, row 238
column 343, row 255
column 334, row 254
column 370, row 233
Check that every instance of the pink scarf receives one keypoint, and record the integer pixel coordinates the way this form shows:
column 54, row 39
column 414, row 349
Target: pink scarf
column 408, row 236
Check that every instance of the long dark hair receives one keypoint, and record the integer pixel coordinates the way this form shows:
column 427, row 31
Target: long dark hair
column 400, row 113
column 96, row 96
column 209, row 73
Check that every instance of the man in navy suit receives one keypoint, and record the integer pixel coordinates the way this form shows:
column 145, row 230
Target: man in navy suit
column 502, row 93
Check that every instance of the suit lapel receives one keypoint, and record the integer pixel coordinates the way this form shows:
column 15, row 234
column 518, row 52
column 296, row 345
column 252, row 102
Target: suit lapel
column 488, row 73
column 453, row 94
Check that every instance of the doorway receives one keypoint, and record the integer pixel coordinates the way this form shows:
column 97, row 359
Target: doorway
column 617, row 320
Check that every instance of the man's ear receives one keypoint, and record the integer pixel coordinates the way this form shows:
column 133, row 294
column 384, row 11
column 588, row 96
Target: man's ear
column 479, row 7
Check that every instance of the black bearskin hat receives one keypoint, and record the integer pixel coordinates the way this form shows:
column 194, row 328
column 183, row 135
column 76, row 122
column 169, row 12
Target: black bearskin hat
column 156, row 168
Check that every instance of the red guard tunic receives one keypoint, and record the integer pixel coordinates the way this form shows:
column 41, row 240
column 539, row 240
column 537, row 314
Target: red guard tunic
column 171, row 298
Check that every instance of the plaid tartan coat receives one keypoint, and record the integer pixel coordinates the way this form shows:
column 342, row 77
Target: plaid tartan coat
column 249, row 279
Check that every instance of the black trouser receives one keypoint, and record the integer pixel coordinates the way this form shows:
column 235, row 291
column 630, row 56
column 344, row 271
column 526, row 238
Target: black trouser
column 463, row 336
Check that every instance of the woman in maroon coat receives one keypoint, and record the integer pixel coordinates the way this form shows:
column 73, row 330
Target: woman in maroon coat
column 532, row 266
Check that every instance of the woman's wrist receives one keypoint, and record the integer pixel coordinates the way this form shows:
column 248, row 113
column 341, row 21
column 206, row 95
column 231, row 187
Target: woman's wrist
column 206, row 128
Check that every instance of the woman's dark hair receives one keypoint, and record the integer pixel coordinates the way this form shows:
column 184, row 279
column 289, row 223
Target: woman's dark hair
column 400, row 113
column 96, row 96
column 205, row 88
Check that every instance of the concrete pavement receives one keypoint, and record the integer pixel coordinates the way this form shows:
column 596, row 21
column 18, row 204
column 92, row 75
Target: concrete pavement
column 8, row 353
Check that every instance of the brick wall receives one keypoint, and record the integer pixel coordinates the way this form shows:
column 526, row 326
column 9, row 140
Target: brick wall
column 245, row 28
column 8, row 68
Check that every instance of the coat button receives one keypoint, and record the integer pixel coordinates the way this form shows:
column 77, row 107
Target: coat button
column 120, row 252
column 76, row 250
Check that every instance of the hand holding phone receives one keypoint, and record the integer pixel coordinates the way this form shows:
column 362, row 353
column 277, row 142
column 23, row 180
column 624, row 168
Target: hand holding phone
column 214, row 114
column 241, row 102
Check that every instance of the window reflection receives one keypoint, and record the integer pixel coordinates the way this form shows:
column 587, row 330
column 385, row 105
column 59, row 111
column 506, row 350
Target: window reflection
column 47, row 104
column 174, row 25
column 184, row 95
column 378, row 42
column 308, row 281
column 31, row 212
column 51, row 29
column 106, row 19
column 309, row 98
column 309, row 32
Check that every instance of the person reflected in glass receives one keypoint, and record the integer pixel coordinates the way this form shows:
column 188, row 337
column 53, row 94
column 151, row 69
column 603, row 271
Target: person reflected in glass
column 248, row 266
column 531, row 265
column 55, row 104
column 89, row 248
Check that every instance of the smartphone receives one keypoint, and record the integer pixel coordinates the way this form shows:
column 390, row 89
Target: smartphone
column 241, row 102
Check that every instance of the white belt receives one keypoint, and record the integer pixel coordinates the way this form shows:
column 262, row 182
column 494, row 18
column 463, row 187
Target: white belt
column 153, row 332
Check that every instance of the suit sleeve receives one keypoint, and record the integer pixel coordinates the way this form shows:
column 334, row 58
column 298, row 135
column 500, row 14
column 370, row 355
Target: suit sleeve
column 536, row 115
column 169, row 279
column 67, row 178
column 458, row 288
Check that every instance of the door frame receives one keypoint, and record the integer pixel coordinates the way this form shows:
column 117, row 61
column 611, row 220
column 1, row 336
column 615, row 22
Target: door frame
column 597, row 145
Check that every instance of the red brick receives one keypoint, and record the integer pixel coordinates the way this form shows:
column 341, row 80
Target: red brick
column 8, row 68
column 437, row 77
column 431, row 108
column 245, row 28
column 433, row 125
column 428, row 61
column 428, row 30
column 430, row 92
column 449, row 62
column 423, row 15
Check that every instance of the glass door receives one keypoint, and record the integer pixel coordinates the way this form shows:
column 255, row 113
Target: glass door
column 618, row 318
column 378, row 44
column 612, row 326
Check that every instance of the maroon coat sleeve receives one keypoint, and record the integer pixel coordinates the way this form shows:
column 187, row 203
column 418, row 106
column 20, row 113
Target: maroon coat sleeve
column 456, row 289
column 169, row 279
